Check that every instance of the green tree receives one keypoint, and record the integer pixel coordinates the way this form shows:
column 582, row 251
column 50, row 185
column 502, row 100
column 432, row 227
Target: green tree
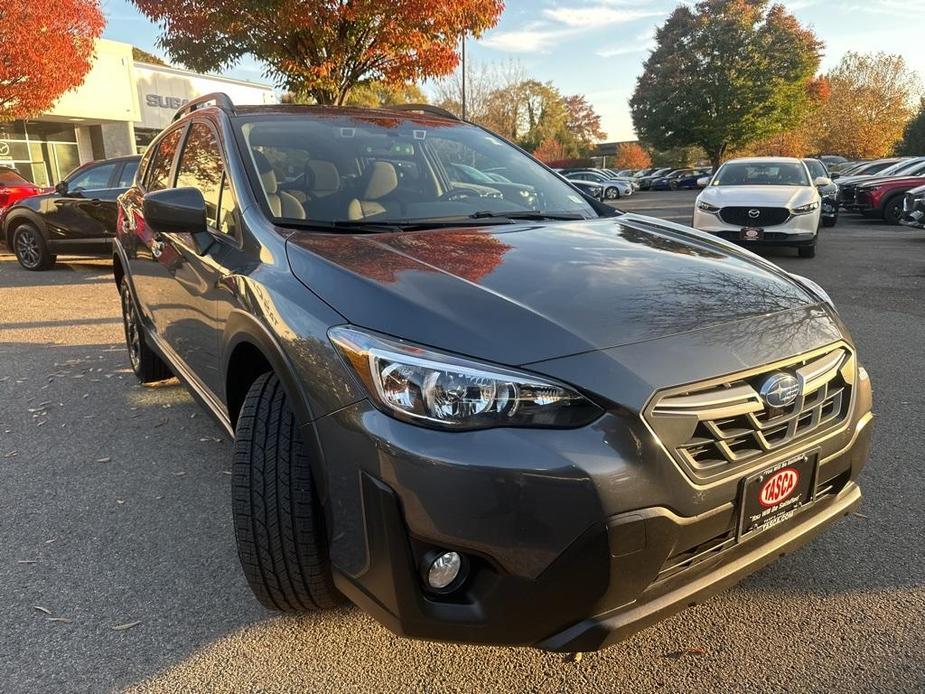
column 723, row 74
column 913, row 142
column 373, row 94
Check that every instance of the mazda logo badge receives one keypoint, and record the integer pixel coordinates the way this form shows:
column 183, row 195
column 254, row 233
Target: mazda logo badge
column 754, row 213
column 780, row 390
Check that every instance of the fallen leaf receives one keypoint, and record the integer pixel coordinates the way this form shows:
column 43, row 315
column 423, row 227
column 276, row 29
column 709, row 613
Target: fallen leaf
column 127, row 625
column 62, row 620
column 48, row 542
column 860, row 515
column 179, row 473
column 574, row 657
column 41, row 609
column 28, row 561
column 120, row 501
column 103, row 460
column 226, row 472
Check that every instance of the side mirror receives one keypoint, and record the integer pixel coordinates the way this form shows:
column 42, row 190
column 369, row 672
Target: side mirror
column 178, row 211
column 822, row 181
column 835, row 175
column 703, row 181
column 61, row 187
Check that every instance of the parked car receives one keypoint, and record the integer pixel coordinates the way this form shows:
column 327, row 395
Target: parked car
column 829, row 192
column 847, row 185
column 13, row 187
column 464, row 173
column 594, row 190
column 884, row 197
column 914, row 208
column 77, row 218
column 454, row 410
column 763, row 201
column 613, row 188
column 691, row 180
column 672, row 180
column 645, row 182
column 832, row 161
column 869, row 168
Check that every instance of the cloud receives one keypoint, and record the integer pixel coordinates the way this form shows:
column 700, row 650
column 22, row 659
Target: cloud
column 596, row 16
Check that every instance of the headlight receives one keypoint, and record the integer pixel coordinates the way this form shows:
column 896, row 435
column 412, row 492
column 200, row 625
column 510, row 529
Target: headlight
column 594, row 192
column 805, row 209
column 917, row 196
column 707, row 207
column 813, row 288
column 439, row 390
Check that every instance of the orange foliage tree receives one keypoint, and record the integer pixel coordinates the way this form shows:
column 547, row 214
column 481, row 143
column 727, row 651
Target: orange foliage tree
column 551, row 150
column 47, row 49
column 323, row 48
column 631, row 155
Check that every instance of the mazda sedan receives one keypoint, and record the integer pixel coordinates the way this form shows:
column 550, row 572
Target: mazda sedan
column 481, row 416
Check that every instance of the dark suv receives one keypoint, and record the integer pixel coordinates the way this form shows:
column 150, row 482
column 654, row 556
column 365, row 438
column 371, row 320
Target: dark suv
column 479, row 415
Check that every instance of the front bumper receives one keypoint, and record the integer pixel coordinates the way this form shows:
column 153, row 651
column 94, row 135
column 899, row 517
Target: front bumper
column 913, row 212
column 799, row 230
column 575, row 538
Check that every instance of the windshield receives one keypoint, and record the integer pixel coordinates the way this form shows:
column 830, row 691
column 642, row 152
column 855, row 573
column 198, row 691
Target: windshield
column 740, row 173
column 900, row 167
column 816, row 168
column 346, row 169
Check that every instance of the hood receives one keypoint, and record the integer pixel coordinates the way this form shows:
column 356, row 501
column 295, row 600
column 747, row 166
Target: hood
column 771, row 196
column 892, row 180
column 515, row 294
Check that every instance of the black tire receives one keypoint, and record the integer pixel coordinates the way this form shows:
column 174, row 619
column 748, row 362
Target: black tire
column 612, row 193
column 278, row 522
column 893, row 210
column 830, row 221
column 672, row 185
column 30, row 248
column 148, row 366
column 807, row 251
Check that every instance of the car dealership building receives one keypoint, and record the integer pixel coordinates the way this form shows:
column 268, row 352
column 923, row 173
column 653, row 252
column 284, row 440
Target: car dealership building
column 118, row 110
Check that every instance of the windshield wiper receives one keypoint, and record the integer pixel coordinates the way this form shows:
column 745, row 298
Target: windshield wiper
column 346, row 225
column 525, row 214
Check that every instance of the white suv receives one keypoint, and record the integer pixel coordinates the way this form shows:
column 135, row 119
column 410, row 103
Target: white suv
column 767, row 201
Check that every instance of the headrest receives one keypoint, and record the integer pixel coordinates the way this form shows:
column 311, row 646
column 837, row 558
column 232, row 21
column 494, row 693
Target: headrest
column 325, row 178
column 382, row 181
column 267, row 174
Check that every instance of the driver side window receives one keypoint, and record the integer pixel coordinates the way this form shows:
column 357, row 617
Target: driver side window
column 201, row 167
column 94, row 178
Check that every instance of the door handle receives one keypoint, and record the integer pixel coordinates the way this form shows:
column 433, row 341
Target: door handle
column 157, row 247
column 95, row 201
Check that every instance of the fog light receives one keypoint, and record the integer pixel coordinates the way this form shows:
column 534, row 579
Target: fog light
column 444, row 570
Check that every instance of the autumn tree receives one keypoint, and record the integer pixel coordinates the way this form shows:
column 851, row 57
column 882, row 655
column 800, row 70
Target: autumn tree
column 551, row 151
column 583, row 122
column 323, row 48
column 724, row 73
column 493, row 95
column 872, row 98
column 913, row 142
column 143, row 56
column 374, row 94
column 631, row 155
column 46, row 51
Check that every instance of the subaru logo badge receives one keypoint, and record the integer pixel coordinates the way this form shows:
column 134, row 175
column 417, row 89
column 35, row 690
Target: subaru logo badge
column 780, row 390
column 754, row 213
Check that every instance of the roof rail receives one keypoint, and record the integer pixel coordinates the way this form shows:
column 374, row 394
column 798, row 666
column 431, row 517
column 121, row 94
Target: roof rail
column 219, row 99
column 424, row 108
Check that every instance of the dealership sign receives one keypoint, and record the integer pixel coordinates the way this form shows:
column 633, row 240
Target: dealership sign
column 169, row 102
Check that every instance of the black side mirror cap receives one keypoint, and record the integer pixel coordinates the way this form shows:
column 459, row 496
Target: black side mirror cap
column 178, row 211
column 61, row 187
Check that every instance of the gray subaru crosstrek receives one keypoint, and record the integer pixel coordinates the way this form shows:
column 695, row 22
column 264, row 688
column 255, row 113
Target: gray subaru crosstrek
column 491, row 412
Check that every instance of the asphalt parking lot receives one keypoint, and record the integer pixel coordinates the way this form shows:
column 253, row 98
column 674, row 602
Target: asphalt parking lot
column 118, row 570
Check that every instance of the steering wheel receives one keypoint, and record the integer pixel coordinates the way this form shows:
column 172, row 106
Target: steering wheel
column 459, row 194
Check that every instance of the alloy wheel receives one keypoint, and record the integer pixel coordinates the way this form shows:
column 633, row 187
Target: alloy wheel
column 27, row 248
column 130, row 322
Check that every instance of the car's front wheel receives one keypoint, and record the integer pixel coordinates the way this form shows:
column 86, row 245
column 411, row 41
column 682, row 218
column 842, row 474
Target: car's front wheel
column 612, row 193
column 893, row 210
column 30, row 248
column 278, row 522
column 147, row 365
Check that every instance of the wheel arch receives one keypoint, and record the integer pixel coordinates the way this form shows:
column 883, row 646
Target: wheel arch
column 16, row 217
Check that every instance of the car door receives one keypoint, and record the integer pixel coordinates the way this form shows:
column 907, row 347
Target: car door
column 86, row 209
column 190, row 286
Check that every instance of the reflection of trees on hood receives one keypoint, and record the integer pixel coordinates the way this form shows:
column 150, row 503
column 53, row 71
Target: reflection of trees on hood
column 465, row 254
column 666, row 243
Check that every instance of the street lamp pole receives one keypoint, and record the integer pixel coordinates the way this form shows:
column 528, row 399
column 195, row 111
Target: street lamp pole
column 464, row 76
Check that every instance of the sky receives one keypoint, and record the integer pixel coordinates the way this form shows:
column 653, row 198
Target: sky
column 597, row 47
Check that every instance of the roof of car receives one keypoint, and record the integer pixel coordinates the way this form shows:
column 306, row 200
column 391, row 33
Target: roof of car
column 340, row 111
column 766, row 160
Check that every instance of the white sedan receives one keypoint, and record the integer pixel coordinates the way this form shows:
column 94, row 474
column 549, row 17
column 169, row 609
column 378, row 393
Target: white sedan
column 767, row 201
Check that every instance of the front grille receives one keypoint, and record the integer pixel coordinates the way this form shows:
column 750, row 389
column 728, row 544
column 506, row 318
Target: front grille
column 716, row 428
column 746, row 217
column 846, row 194
column 768, row 235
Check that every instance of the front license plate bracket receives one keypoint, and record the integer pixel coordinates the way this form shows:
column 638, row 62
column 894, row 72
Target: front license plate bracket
column 755, row 513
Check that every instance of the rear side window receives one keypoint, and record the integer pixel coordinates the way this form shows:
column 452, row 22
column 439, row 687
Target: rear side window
column 127, row 177
column 8, row 177
column 158, row 174
column 201, row 167
column 94, row 178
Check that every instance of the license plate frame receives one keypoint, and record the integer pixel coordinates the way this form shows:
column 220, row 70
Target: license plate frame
column 751, row 234
column 755, row 518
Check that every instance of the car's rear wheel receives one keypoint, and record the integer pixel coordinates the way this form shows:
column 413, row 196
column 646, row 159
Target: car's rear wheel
column 147, row 365
column 893, row 209
column 278, row 522
column 612, row 193
column 30, row 248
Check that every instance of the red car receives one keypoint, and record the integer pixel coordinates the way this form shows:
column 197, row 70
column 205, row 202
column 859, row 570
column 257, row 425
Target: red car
column 14, row 187
column 883, row 197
